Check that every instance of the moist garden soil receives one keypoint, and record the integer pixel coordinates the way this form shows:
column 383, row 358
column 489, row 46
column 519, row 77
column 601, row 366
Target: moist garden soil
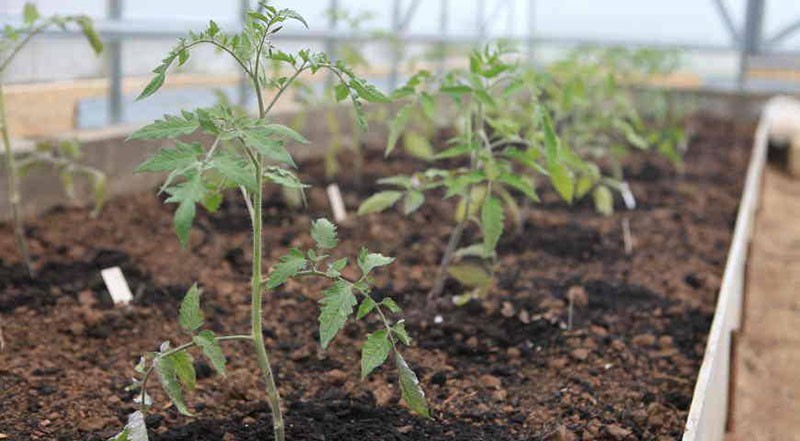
column 504, row 368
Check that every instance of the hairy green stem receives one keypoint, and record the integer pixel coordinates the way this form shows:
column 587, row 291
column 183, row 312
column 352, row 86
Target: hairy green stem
column 273, row 397
column 458, row 231
column 14, row 198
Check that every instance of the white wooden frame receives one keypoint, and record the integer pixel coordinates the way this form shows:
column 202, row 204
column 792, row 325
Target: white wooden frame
column 708, row 414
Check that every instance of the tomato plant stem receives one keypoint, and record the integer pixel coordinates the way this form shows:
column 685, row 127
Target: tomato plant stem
column 13, row 188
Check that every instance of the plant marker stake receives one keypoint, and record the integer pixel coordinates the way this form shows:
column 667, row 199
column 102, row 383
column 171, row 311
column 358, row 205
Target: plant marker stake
column 626, row 235
column 627, row 196
column 337, row 204
column 569, row 311
column 117, row 285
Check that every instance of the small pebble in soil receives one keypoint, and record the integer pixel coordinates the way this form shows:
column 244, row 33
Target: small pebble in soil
column 202, row 369
column 439, row 378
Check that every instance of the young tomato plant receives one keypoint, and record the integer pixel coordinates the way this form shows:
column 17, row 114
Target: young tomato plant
column 596, row 114
column 488, row 161
column 62, row 156
column 254, row 152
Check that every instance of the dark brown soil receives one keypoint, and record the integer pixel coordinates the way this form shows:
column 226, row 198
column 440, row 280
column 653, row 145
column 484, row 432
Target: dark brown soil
column 505, row 368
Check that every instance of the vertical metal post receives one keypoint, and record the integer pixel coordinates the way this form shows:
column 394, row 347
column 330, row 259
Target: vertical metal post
column 751, row 40
column 444, row 19
column 480, row 9
column 396, row 39
column 531, row 30
column 330, row 41
column 243, row 86
column 115, row 110
column 511, row 17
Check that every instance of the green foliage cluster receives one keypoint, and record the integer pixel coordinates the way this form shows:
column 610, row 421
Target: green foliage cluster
column 597, row 113
column 494, row 158
column 63, row 156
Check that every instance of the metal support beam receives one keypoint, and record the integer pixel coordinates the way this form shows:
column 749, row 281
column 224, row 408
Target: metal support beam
column 330, row 42
column 480, row 23
column 243, row 95
column 531, row 30
column 782, row 34
column 115, row 106
column 395, row 42
column 444, row 24
column 751, row 40
column 727, row 20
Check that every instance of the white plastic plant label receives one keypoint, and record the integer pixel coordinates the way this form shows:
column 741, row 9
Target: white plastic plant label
column 337, row 204
column 117, row 285
column 627, row 196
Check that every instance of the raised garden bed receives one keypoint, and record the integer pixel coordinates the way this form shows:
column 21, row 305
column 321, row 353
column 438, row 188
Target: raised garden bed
column 505, row 368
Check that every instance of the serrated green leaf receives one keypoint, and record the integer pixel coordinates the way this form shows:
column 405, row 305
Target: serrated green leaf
column 153, row 86
column 169, row 159
column 583, row 185
column 191, row 316
column 366, row 306
column 474, row 250
column 168, row 377
column 428, row 106
column 396, row 128
column 367, row 91
column 285, row 132
column 290, row 13
column 603, row 200
column 186, row 195
column 379, row 201
column 135, row 429
column 260, row 140
column 374, row 352
column 391, row 305
column 413, row 200
column 341, row 92
column 399, row 331
column 170, row 127
column 236, row 170
column 519, row 183
column 491, row 223
column 410, row 389
column 283, row 177
column 337, row 307
column 562, row 181
column 368, row 261
column 30, row 13
column 418, row 146
column 470, row 275
column 184, row 369
column 207, row 341
column 324, row 234
column 85, row 23
column 287, row 268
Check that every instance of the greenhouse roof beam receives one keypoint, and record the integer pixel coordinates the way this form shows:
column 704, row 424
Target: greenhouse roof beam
column 727, row 20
